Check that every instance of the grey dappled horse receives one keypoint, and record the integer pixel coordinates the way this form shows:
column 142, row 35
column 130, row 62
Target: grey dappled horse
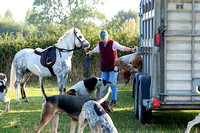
column 24, row 60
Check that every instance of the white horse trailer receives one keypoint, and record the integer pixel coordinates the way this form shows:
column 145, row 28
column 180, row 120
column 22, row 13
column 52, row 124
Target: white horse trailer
column 170, row 43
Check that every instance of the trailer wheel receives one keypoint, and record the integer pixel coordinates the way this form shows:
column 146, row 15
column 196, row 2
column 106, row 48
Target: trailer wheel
column 133, row 93
column 143, row 93
column 136, row 102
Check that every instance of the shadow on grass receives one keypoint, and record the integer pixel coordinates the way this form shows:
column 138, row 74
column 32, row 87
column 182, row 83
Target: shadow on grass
column 25, row 118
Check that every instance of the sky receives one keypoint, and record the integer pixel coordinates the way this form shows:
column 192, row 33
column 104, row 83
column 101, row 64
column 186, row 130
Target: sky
column 20, row 7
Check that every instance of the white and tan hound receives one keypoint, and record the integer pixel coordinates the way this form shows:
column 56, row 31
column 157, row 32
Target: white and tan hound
column 134, row 66
column 89, row 86
column 93, row 114
column 197, row 119
column 123, row 61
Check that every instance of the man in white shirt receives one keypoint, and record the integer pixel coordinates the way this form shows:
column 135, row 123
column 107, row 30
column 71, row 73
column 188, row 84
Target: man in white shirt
column 108, row 50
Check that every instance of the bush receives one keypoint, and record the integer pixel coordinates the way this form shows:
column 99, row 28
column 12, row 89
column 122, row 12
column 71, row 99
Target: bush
column 10, row 44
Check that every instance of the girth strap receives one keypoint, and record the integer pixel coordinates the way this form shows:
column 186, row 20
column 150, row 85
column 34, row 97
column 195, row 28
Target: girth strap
column 51, row 71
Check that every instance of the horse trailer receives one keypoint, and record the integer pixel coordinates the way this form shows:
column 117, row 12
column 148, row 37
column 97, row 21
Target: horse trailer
column 170, row 43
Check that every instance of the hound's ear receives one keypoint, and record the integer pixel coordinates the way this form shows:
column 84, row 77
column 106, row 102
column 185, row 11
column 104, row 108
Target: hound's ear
column 128, row 67
column 71, row 92
column 106, row 82
column 4, row 77
column 140, row 61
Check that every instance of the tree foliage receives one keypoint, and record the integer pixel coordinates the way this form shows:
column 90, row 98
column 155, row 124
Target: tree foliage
column 123, row 15
column 72, row 13
column 50, row 19
column 8, row 16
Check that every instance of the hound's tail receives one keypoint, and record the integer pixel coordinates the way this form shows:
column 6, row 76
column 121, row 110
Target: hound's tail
column 105, row 97
column 12, row 77
column 41, row 82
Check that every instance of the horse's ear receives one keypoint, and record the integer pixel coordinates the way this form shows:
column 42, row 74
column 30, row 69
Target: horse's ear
column 75, row 31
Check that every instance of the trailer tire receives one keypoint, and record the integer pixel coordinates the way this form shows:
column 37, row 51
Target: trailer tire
column 136, row 102
column 143, row 93
column 135, row 93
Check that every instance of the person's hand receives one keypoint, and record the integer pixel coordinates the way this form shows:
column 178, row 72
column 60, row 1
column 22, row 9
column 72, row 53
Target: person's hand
column 136, row 48
column 90, row 52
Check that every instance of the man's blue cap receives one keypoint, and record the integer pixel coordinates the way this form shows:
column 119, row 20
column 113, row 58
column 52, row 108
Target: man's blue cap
column 103, row 34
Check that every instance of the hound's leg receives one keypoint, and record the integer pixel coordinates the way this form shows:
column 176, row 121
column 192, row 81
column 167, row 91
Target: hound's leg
column 25, row 78
column 82, row 122
column 55, row 120
column 73, row 125
column 46, row 115
column 192, row 123
column 8, row 104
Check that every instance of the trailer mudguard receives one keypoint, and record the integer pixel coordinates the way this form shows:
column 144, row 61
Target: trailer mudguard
column 145, row 82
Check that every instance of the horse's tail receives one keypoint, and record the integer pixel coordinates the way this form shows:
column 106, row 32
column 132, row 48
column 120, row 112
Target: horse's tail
column 41, row 82
column 105, row 97
column 12, row 77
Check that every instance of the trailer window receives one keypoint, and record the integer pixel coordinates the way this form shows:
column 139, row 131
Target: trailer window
column 150, row 6
column 143, row 8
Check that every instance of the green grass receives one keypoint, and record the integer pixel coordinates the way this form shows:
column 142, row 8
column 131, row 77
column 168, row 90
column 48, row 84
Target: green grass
column 24, row 118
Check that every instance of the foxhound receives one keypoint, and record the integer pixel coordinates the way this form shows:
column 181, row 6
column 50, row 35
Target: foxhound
column 134, row 66
column 72, row 105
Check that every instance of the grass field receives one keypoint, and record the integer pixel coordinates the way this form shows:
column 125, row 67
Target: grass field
column 24, row 118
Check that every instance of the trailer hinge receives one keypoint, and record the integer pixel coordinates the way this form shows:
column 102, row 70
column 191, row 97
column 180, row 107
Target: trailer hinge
column 161, row 29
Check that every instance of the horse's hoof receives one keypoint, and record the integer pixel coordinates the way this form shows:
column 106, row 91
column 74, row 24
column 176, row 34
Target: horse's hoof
column 26, row 101
column 18, row 102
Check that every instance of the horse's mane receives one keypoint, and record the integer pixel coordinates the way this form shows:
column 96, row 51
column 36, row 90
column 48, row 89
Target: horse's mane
column 69, row 32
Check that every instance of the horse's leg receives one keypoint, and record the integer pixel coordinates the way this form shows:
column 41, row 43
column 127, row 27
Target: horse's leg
column 19, row 77
column 60, row 85
column 65, row 82
column 25, row 78
column 62, row 79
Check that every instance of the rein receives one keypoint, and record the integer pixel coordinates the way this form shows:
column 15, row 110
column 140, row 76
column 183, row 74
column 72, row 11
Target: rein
column 87, row 64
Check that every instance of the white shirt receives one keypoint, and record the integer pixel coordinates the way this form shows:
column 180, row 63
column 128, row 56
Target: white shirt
column 115, row 46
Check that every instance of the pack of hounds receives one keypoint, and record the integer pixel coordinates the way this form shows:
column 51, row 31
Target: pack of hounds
column 79, row 104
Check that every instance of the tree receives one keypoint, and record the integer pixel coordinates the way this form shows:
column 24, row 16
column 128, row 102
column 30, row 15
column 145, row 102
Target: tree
column 1, row 18
column 9, row 27
column 8, row 16
column 123, row 15
column 68, row 12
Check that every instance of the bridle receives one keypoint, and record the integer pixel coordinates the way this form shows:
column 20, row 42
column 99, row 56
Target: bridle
column 75, row 35
column 69, row 50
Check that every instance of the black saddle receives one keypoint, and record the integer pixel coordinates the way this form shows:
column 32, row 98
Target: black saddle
column 48, row 57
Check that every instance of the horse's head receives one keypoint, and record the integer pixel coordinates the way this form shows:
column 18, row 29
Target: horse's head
column 72, row 38
column 79, row 40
